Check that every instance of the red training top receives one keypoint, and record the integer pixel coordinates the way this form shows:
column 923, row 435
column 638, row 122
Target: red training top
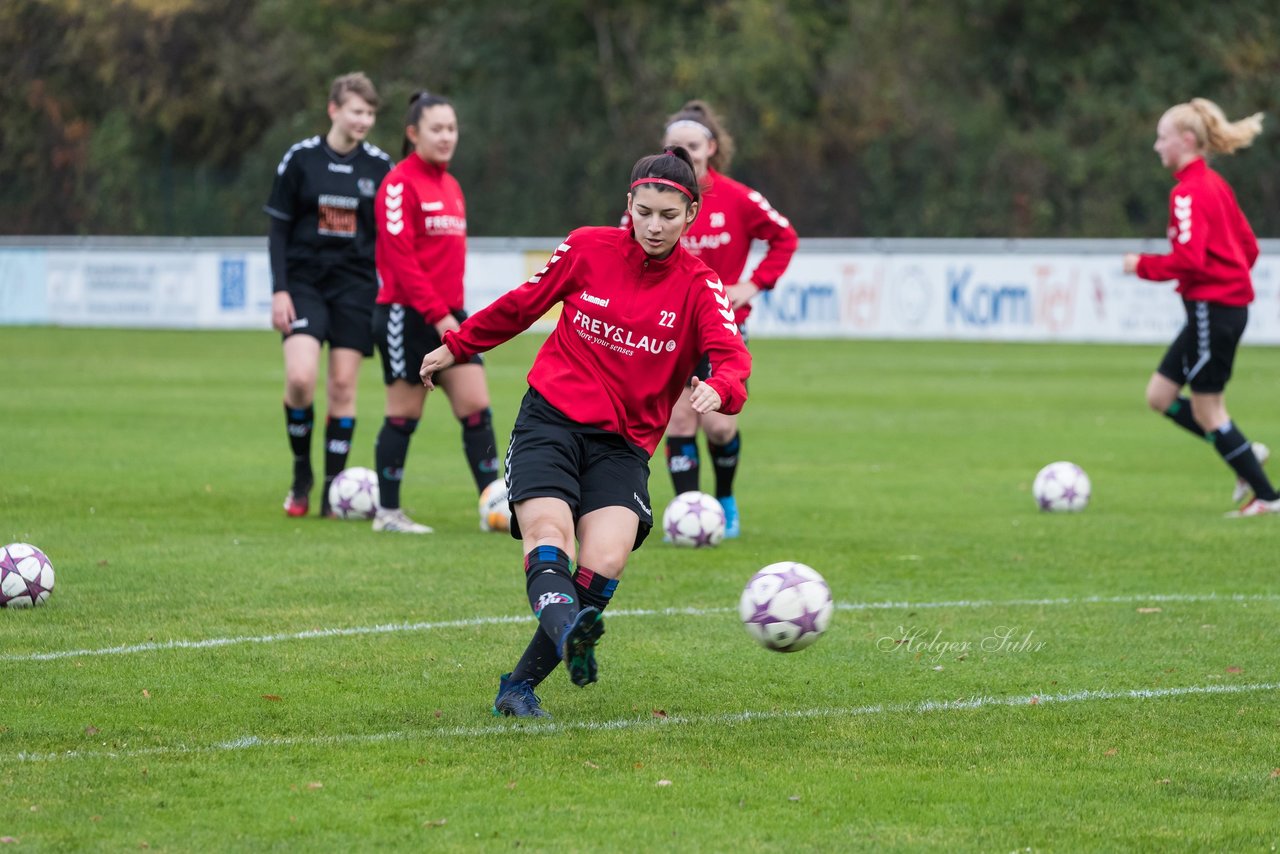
column 629, row 336
column 1213, row 245
column 421, row 251
column 730, row 217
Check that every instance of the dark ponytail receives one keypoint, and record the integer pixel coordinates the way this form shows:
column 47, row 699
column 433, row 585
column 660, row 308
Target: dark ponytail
column 419, row 102
column 675, row 165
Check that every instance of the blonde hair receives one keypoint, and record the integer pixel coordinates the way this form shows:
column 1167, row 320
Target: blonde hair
column 700, row 113
column 355, row 83
column 1205, row 120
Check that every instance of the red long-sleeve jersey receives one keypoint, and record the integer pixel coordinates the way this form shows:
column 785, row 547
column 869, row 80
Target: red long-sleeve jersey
column 421, row 250
column 1213, row 246
column 631, row 331
column 730, row 217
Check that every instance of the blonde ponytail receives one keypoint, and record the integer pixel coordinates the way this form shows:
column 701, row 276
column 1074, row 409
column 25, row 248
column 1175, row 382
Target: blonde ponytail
column 1205, row 120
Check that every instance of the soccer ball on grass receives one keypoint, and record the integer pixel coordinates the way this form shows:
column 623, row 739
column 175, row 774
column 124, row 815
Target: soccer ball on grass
column 786, row 606
column 354, row 494
column 26, row 576
column 1061, row 487
column 693, row 519
column 495, row 512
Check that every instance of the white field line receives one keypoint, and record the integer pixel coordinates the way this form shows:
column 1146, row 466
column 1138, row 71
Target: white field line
column 733, row 719
column 399, row 628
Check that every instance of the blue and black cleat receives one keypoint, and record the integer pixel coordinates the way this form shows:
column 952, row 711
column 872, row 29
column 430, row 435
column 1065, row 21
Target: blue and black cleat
column 578, row 646
column 517, row 700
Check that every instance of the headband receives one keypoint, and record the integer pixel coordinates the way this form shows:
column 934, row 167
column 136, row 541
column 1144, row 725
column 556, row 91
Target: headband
column 665, row 182
column 690, row 123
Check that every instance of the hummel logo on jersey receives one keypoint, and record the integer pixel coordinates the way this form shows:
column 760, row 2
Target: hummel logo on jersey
column 1182, row 213
column 433, row 206
column 603, row 303
column 559, row 253
column 725, row 311
column 344, row 168
column 395, row 214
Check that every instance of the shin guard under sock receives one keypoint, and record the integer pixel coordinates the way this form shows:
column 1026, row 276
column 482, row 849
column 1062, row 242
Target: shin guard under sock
column 724, row 458
column 299, row 424
column 337, row 445
column 389, row 453
column 682, row 462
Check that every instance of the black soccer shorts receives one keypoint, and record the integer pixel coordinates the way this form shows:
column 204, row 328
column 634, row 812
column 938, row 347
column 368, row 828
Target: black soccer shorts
column 1203, row 353
column 551, row 456
column 404, row 338
column 337, row 309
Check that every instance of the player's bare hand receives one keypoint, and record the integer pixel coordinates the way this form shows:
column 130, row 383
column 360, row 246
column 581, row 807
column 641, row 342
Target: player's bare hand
column 282, row 312
column 1131, row 262
column 437, row 360
column 741, row 293
column 703, row 398
column 445, row 324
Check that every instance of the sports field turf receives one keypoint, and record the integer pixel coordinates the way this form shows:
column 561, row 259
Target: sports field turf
column 210, row 675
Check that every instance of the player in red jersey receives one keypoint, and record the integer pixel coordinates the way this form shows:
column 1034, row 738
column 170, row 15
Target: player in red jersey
column 638, row 312
column 421, row 257
column 731, row 217
column 1213, row 251
column 322, row 276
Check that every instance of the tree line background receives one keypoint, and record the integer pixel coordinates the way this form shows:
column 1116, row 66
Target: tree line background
column 895, row 118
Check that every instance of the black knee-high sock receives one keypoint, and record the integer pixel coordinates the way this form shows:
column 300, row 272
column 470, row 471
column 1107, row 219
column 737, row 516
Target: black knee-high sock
column 682, row 462
column 299, row 424
column 481, row 447
column 389, row 454
column 337, row 445
column 1238, row 453
column 549, row 583
column 1179, row 412
column 540, row 658
column 725, row 459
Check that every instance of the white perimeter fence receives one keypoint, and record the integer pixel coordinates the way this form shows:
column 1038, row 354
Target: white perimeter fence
column 991, row 290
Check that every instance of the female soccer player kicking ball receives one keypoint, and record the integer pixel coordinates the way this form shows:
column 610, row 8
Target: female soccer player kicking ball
column 1213, row 252
column 638, row 313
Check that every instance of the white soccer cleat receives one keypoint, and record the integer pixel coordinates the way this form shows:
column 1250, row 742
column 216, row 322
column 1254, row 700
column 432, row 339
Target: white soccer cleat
column 395, row 521
column 1256, row 507
column 1263, row 453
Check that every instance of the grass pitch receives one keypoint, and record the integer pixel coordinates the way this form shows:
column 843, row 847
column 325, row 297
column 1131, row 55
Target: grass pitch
column 210, row 675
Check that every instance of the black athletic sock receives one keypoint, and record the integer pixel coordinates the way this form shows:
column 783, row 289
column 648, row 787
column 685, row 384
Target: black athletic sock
column 725, row 459
column 1179, row 412
column 337, row 445
column 299, row 424
column 1231, row 444
column 481, row 447
column 549, row 583
column 540, row 659
column 389, row 454
column 682, row 462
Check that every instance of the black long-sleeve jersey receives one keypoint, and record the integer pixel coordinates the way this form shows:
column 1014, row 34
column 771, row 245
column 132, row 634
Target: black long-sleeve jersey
column 326, row 199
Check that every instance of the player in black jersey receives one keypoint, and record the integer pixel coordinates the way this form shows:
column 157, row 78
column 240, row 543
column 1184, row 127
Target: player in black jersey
column 323, row 278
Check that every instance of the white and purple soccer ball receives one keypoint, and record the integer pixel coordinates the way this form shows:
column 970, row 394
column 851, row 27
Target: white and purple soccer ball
column 693, row 519
column 353, row 494
column 1061, row 487
column 786, row 606
column 26, row 576
column 495, row 511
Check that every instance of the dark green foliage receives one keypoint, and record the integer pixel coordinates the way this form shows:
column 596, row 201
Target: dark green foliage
column 934, row 118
